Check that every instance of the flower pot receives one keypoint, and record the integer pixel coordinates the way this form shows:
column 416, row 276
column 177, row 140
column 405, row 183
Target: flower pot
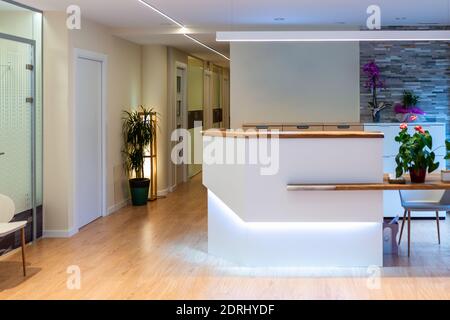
column 139, row 191
column 402, row 117
column 417, row 175
column 445, row 175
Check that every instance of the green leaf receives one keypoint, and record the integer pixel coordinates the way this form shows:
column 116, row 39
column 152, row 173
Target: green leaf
column 399, row 171
column 432, row 167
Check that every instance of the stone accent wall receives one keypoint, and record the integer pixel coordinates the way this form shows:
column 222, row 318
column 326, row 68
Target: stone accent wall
column 423, row 67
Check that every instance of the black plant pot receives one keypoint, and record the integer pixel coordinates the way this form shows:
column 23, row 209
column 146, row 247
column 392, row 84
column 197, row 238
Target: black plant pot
column 139, row 191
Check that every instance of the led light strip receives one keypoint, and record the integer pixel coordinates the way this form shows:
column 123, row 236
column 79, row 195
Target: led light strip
column 207, row 47
column 183, row 28
column 299, row 36
column 162, row 13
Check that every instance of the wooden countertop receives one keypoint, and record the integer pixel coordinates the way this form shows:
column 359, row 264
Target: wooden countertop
column 279, row 124
column 433, row 182
column 293, row 134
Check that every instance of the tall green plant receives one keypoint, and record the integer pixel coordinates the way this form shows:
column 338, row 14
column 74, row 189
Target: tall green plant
column 138, row 132
column 415, row 151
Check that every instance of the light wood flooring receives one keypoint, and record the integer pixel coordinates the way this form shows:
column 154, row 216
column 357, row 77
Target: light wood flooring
column 160, row 252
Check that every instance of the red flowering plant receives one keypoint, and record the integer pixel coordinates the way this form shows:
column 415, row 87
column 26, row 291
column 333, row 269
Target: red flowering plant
column 415, row 153
column 374, row 83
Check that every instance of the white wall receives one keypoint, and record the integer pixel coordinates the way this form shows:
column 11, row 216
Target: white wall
column 123, row 92
column 294, row 82
column 56, row 119
column 154, row 95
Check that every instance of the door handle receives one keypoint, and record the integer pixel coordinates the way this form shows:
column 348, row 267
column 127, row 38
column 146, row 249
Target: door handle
column 2, row 153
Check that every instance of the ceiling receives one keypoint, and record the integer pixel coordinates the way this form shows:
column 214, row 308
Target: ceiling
column 135, row 22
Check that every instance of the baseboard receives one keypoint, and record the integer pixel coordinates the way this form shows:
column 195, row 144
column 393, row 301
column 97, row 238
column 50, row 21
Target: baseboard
column 118, row 206
column 60, row 233
column 162, row 193
column 173, row 188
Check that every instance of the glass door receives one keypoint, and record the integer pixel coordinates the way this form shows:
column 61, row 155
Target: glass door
column 17, row 126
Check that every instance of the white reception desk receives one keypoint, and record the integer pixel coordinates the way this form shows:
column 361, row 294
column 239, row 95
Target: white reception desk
column 254, row 220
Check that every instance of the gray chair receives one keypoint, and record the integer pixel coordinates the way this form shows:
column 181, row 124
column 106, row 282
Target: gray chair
column 436, row 200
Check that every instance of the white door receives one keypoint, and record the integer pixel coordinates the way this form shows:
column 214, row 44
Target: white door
column 88, row 141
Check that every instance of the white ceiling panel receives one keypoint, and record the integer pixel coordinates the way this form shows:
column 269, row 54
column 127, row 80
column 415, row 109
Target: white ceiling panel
column 207, row 16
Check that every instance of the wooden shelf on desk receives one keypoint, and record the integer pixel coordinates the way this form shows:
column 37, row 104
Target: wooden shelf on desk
column 433, row 182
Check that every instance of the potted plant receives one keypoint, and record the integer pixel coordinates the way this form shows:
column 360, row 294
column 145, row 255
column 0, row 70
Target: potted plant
column 372, row 71
column 138, row 131
column 408, row 111
column 415, row 154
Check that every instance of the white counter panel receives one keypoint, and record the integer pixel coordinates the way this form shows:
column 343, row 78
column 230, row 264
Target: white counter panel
column 271, row 244
column 253, row 220
column 264, row 198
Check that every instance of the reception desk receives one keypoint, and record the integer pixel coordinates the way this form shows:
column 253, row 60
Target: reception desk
column 254, row 220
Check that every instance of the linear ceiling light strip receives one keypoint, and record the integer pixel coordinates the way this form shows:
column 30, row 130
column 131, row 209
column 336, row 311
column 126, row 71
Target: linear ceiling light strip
column 162, row 13
column 207, row 47
column 298, row 36
column 182, row 27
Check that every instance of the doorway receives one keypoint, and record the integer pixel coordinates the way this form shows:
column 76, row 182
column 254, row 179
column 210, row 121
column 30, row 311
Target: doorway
column 207, row 111
column 181, row 119
column 89, row 137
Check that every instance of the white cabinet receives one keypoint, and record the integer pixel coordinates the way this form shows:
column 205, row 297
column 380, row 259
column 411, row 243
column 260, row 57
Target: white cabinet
column 392, row 206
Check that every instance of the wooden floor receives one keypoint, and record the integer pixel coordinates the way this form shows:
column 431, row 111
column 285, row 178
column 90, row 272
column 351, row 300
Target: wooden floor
column 160, row 252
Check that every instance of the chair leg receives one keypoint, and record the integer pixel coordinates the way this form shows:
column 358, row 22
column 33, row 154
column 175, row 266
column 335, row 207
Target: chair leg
column 438, row 229
column 401, row 230
column 409, row 233
column 23, row 252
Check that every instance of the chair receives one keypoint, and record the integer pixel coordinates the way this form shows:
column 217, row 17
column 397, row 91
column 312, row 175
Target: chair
column 7, row 210
column 411, row 201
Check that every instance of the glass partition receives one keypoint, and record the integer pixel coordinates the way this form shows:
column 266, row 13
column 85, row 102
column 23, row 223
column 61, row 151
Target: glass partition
column 21, row 116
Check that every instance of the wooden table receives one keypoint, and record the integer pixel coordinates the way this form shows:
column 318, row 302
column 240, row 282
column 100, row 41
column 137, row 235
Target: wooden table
column 433, row 182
